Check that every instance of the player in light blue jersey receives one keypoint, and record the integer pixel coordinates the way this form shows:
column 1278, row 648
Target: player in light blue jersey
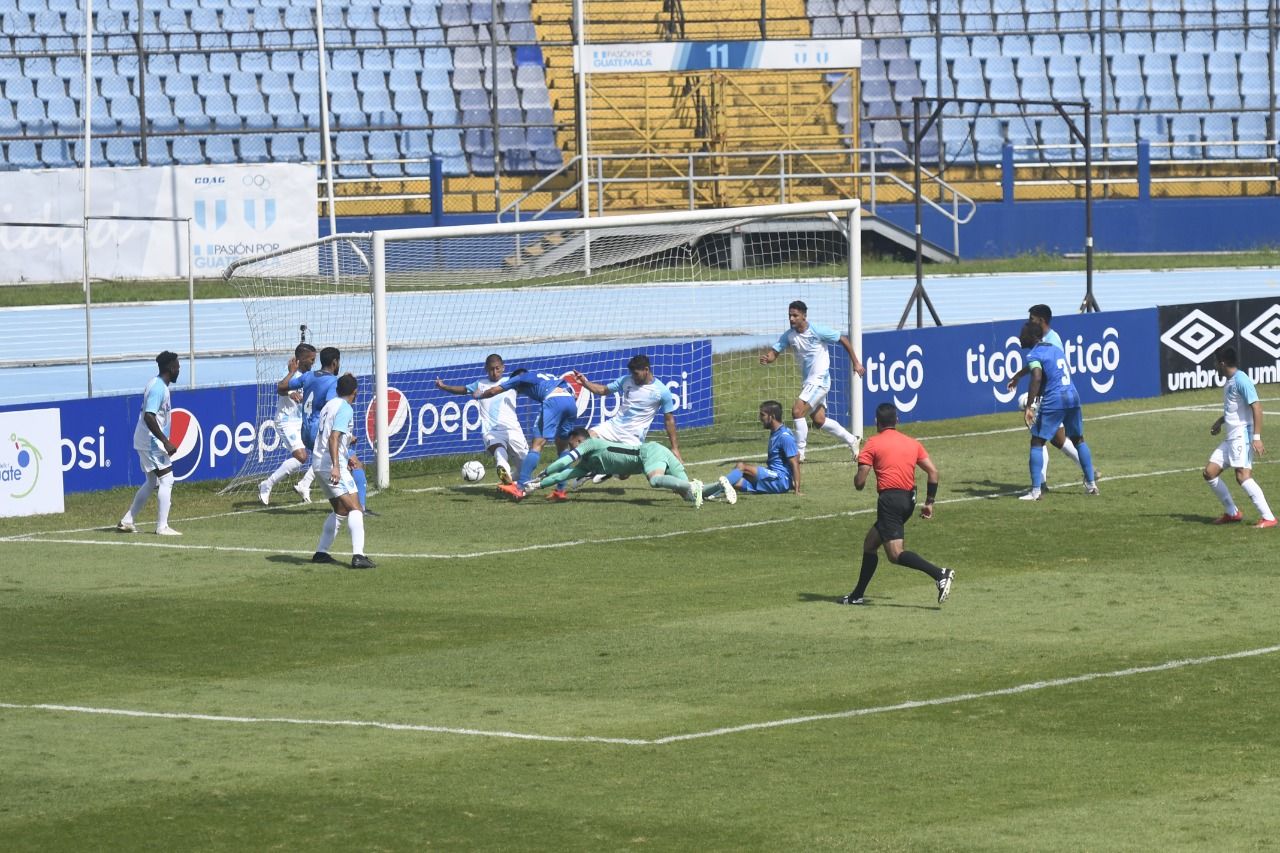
column 640, row 398
column 1055, row 403
column 780, row 473
column 809, row 344
column 318, row 388
column 289, row 419
column 1242, row 418
column 151, row 440
column 1042, row 316
column 556, row 416
column 503, row 436
column 335, row 429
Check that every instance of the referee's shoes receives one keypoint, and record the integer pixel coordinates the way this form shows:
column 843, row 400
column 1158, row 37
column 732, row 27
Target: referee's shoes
column 944, row 584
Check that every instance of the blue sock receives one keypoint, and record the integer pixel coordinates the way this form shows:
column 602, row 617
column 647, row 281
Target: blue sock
column 734, row 477
column 1086, row 461
column 362, row 485
column 527, row 467
column 1037, row 466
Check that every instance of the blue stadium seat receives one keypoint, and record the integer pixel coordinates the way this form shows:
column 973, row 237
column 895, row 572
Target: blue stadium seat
column 349, row 146
column 1218, row 128
column 157, row 152
column 447, row 142
column 285, row 147
column 122, row 152
column 221, row 109
column 221, row 149
column 1187, row 135
column 1252, row 129
column 384, row 145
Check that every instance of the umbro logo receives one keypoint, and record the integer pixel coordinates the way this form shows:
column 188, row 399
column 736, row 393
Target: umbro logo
column 1197, row 335
column 1264, row 332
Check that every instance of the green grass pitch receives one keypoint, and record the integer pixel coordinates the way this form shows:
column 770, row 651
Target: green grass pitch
column 539, row 665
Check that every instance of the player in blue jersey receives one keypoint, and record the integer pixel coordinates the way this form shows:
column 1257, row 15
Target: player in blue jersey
column 1242, row 417
column 809, row 344
column 556, row 416
column 1054, row 402
column 289, row 419
column 151, row 440
column 331, row 462
column 318, row 388
column 1042, row 316
column 780, row 473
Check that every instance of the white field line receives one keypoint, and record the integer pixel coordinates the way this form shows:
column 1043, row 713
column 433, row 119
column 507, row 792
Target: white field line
column 48, row 536
column 127, row 540
column 908, row 705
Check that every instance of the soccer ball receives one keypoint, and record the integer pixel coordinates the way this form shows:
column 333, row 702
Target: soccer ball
column 1022, row 400
column 472, row 471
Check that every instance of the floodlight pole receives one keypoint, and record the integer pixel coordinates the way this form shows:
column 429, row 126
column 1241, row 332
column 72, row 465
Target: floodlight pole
column 84, row 179
column 326, row 142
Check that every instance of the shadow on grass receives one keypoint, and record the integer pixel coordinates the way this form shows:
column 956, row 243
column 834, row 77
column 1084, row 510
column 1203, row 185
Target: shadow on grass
column 295, row 560
column 1206, row 520
column 814, row 597
column 987, row 488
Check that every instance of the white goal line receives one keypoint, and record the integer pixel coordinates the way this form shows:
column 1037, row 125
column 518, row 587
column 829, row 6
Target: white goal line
column 908, row 705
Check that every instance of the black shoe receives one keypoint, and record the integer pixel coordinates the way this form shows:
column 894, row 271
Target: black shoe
column 370, row 513
column 944, row 585
column 322, row 557
column 360, row 561
column 849, row 599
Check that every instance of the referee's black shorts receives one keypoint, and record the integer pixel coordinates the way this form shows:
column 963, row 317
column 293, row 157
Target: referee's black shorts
column 893, row 508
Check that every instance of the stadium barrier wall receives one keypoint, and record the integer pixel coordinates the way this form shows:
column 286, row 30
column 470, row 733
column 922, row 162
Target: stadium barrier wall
column 945, row 372
column 1190, row 334
column 30, row 476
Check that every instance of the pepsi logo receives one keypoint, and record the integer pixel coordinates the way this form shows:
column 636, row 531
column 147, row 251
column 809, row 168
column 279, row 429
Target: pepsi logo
column 185, row 433
column 398, row 412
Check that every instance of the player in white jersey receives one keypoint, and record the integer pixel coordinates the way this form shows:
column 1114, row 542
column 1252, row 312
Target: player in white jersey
column 503, row 436
column 809, row 344
column 289, row 427
column 641, row 398
column 1242, row 417
column 330, row 459
column 1042, row 316
column 151, row 440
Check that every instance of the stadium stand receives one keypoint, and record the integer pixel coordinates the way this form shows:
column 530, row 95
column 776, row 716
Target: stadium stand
column 217, row 67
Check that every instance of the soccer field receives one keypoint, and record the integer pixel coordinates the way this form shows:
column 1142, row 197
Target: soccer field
column 623, row 672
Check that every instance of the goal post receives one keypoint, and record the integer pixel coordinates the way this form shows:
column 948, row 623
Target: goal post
column 700, row 292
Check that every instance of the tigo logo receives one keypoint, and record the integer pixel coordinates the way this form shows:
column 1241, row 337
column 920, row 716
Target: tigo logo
column 1196, row 336
column 398, row 413
column 186, row 434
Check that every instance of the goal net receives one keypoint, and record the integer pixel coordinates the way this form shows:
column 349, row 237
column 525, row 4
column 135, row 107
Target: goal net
column 702, row 293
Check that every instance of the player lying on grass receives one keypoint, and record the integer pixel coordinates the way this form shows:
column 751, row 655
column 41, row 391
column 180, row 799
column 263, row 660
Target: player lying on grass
column 590, row 456
column 780, row 473
column 503, row 436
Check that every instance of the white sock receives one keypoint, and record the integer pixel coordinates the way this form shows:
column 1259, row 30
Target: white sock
column 286, row 468
column 140, row 499
column 1044, row 468
column 500, row 458
column 305, row 483
column 165, row 497
column 831, row 426
column 329, row 532
column 1069, row 448
column 355, row 523
column 1254, row 491
column 1220, row 489
column 802, row 435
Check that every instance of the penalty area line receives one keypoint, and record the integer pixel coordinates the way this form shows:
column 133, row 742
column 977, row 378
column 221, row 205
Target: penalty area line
column 909, row 705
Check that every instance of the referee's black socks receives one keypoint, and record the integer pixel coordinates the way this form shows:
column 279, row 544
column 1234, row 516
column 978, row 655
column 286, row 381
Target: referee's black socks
column 912, row 560
column 869, row 563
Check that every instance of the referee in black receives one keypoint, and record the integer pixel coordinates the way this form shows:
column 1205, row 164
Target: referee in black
column 894, row 457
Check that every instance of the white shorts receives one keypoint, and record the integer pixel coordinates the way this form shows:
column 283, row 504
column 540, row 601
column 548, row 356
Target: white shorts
column 291, row 434
column 610, row 430
column 514, row 441
column 1233, row 452
column 346, row 486
column 154, row 459
column 815, row 394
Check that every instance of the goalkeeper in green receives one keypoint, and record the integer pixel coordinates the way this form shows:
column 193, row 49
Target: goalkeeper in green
column 588, row 456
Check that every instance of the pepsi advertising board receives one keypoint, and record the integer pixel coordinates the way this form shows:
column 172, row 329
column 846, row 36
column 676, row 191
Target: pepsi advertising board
column 216, row 429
